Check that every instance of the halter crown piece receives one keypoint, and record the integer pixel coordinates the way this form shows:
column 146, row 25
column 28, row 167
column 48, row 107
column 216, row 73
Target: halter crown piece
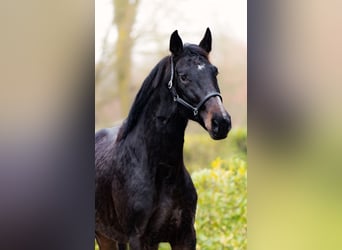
column 181, row 101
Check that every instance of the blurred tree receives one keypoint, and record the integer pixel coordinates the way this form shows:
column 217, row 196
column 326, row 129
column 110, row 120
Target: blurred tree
column 124, row 17
column 141, row 40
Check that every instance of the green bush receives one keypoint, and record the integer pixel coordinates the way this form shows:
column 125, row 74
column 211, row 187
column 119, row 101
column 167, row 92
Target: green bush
column 200, row 150
column 221, row 219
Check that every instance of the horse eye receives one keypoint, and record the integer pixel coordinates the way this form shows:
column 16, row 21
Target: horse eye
column 183, row 78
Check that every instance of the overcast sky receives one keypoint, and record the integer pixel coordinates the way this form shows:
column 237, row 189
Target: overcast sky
column 190, row 17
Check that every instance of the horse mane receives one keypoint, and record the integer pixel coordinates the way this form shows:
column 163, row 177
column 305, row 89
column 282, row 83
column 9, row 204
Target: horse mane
column 156, row 76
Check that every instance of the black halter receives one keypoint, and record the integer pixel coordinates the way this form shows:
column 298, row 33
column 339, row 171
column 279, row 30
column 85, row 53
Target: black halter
column 181, row 101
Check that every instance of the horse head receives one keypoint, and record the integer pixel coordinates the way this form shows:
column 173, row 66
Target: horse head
column 194, row 85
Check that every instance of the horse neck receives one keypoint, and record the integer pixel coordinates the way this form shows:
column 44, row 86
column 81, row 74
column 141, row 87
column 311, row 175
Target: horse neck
column 161, row 128
column 163, row 117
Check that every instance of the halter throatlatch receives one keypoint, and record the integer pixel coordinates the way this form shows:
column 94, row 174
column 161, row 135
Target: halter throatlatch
column 181, row 101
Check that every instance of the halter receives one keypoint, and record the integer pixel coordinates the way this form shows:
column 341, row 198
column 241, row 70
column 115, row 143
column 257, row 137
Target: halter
column 181, row 101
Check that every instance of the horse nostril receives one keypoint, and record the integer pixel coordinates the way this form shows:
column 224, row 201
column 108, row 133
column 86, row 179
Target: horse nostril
column 220, row 126
column 215, row 126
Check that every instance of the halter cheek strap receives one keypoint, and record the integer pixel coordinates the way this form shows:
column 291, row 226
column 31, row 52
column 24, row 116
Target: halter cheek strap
column 184, row 103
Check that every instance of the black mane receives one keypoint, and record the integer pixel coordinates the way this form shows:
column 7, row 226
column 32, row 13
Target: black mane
column 150, row 83
column 148, row 86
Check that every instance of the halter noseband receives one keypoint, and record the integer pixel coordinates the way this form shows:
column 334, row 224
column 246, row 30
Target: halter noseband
column 181, row 101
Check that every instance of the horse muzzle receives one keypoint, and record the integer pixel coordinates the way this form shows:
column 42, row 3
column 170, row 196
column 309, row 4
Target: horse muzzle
column 216, row 119
column 220, row 126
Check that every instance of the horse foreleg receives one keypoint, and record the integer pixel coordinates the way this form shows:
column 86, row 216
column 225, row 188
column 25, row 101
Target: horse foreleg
column 183, row 247
column 122, row 246
column 155, row 247
column 137, row 244
column 187, row 242
column 107, row 244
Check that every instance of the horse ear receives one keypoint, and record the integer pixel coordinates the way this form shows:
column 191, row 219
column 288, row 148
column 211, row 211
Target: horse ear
column 206, row 41
column 176, row 44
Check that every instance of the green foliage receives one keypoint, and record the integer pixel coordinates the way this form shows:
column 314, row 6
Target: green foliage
column 200, row 150
column 238, row 138
column 221, row 219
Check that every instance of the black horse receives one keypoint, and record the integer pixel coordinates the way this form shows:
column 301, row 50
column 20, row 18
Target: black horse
column 144, row 194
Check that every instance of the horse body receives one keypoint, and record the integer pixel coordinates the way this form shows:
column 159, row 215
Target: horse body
column 161, row 197
column 144, row 194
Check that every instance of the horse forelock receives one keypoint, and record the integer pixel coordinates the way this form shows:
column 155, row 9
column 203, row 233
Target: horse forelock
column 193, row 49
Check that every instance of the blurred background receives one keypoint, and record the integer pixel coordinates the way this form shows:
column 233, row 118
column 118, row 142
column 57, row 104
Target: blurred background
column 131, row 36
column 294, row 128
column 294, row 119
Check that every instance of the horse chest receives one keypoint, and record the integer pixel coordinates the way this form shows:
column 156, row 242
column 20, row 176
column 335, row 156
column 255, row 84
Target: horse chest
column 165, row 221
column 175, row 209
column 168, row 211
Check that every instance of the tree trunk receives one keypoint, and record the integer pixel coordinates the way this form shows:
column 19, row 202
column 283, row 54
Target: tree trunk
column 124, row 17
